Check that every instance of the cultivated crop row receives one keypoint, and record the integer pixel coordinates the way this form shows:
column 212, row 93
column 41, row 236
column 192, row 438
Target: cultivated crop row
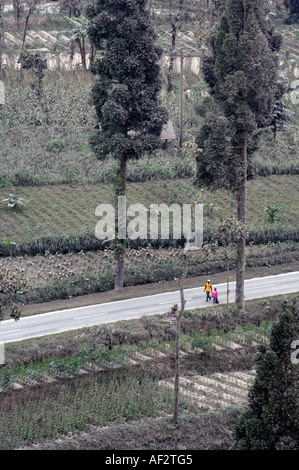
column 100, row 358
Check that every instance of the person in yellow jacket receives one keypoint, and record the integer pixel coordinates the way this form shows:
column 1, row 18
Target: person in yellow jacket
column 208, row 290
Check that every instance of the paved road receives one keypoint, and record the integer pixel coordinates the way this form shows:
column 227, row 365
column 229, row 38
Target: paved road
column 62, row 320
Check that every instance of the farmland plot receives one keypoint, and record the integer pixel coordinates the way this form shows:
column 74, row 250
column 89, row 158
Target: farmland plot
column 216, row 391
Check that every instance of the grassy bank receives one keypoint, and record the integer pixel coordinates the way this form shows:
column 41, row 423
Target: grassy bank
column 62, row 218
column 206, row 431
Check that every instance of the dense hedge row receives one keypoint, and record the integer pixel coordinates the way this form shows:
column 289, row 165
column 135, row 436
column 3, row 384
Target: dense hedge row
column 88, row 242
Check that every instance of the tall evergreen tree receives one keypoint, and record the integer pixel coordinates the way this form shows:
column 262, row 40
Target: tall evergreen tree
column 242, row 72
column 126, row 94
column 272, row 420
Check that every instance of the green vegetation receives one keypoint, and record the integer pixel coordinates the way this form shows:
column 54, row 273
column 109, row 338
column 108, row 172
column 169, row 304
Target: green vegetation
column 155, row 434
column 293, row 8
column 92, row 357
column 55, row 146
column 75, row 406
column 271, row 422
column 50, row 217
column 12, row 283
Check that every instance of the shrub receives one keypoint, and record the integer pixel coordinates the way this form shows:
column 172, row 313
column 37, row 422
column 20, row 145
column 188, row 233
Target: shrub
column 272, row 211
column 272, row 421
column 203, row 342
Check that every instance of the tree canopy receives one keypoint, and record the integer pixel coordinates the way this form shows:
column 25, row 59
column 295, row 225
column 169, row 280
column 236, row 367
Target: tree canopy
column 242, row 74
column 126, row 95
column 272, row 421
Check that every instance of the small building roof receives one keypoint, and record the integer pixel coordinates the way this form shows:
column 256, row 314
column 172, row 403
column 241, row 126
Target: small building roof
column 167, row 132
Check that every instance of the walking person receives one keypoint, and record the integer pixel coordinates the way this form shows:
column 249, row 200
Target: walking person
column 215, row 296
column 208, row 290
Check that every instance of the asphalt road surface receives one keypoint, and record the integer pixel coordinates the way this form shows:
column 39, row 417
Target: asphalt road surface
column 70, row 319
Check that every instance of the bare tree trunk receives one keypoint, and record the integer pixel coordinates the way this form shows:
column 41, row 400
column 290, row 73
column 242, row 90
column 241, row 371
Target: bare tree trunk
column 81, row 45
column 227, row 282
column 17, row 9
column 120, row 244
column 32, row 4
column 20, row 74
column 171, row 60
column 83, row 53
column 242, row 197
column 175, row 22
column 92, row 54
column 177, row 343
column 1, row 33
column 181, row 99
column 25, row 29
column 72, row 52
column 120, row 268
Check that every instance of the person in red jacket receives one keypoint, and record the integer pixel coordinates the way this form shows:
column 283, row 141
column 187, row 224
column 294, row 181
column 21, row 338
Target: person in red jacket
column 208, row 290
column 215, row 296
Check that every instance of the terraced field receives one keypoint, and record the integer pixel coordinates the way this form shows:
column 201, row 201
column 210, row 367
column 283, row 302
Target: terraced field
column 219, row 390
column 216, row 391
column 50, row 210
column 54, row 44
column 207, row 392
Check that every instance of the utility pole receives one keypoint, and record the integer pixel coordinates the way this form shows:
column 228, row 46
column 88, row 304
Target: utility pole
column 181, row 97
column 182, row 57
